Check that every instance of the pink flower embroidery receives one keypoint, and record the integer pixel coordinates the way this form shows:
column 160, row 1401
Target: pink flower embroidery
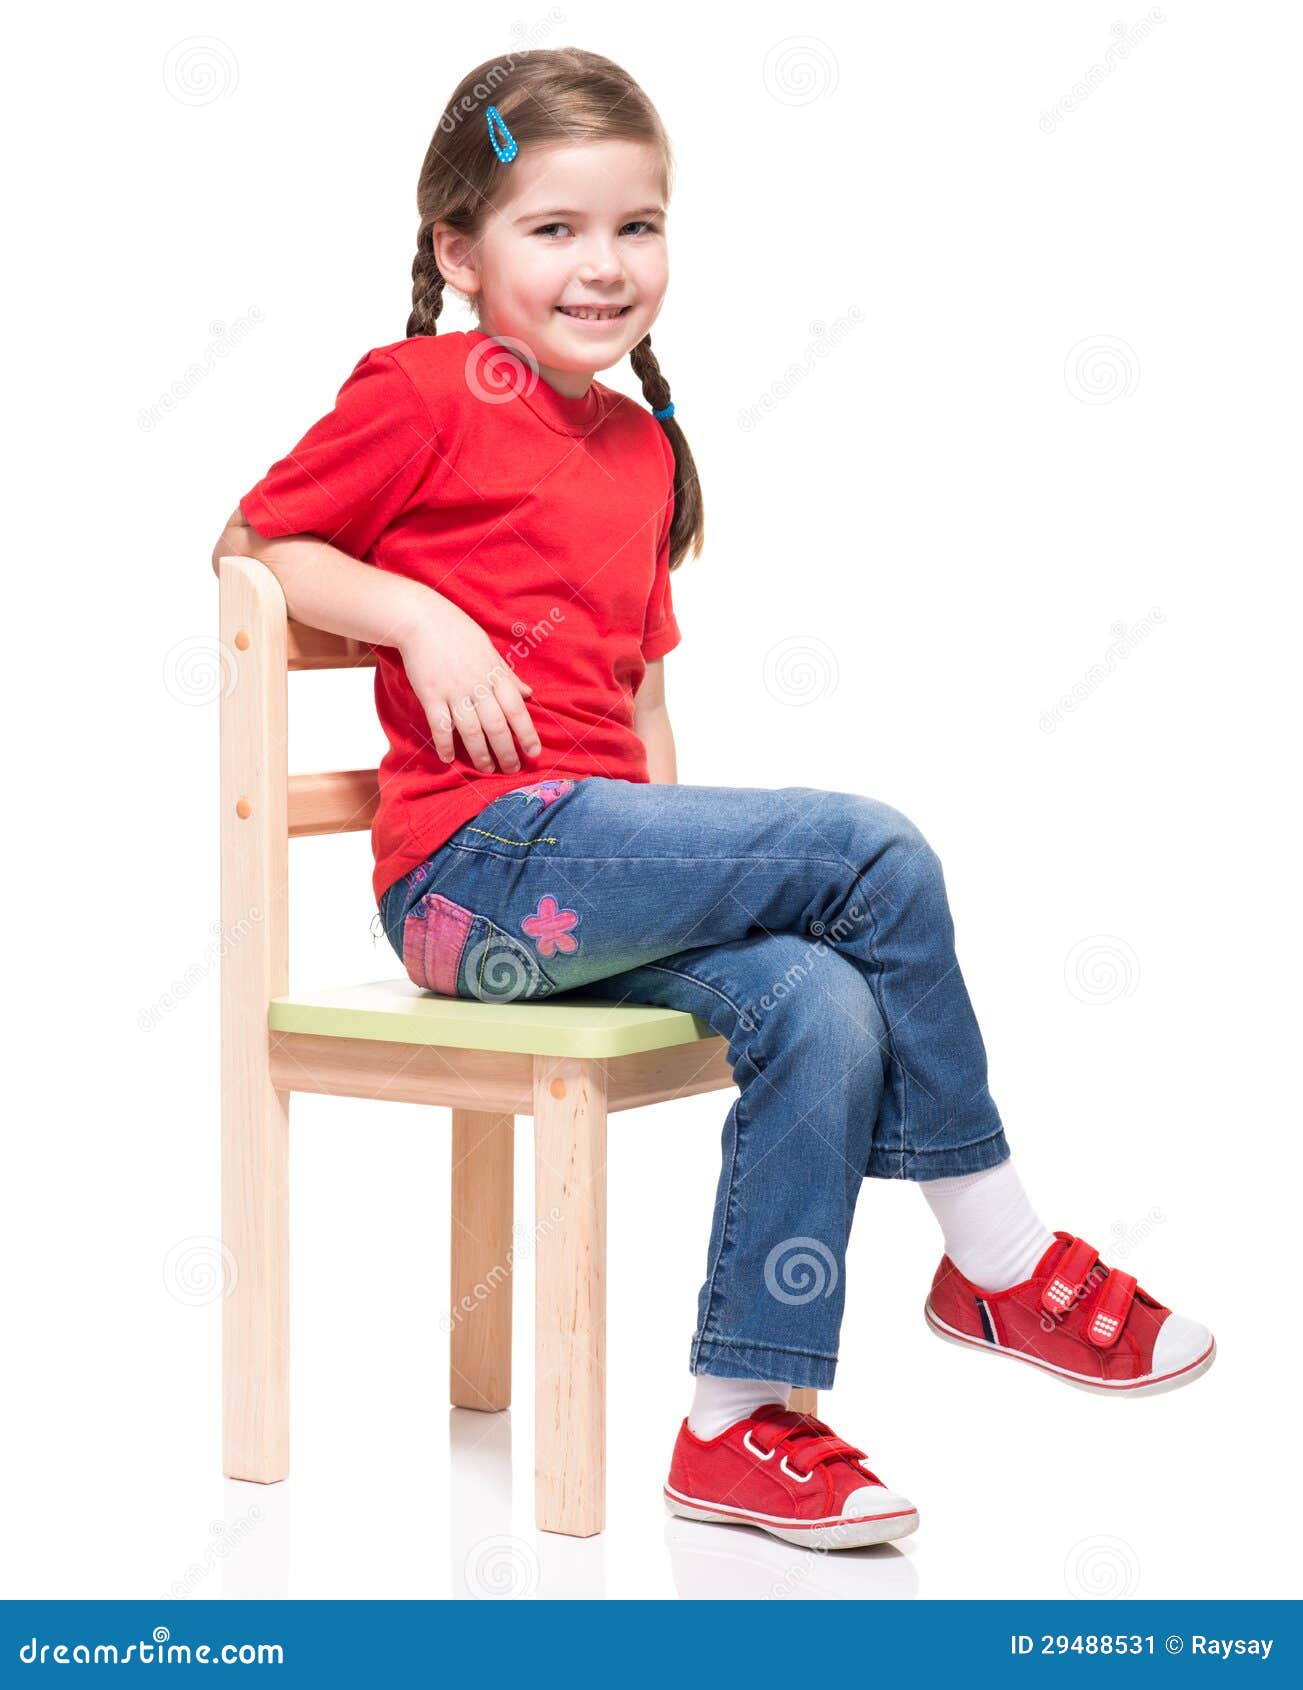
column 546, row 791
column 550, row 926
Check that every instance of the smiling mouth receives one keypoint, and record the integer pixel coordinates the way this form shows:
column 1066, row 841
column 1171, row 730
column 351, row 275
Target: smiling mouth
column 594, row 313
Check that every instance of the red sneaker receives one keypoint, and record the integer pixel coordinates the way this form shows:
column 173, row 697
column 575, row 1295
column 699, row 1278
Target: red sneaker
column 790, row 1475
column 1089, row 1324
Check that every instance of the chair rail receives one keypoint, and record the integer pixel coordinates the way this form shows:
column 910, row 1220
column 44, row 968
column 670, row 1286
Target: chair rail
column 314, row 648
column 334, row 801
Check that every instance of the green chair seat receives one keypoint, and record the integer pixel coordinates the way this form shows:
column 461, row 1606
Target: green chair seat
column 399, row 1012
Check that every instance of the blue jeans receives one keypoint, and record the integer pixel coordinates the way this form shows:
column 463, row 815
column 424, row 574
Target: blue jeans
column 811, row 930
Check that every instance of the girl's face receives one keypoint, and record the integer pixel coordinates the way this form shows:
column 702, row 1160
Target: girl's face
column 581, row 227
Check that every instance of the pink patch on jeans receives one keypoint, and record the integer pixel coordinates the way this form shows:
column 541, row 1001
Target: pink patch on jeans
column 434, row 937
column 546, row 791
column 550, row 926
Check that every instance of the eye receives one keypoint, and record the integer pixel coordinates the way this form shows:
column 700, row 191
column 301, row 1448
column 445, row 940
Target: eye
column 639, row 223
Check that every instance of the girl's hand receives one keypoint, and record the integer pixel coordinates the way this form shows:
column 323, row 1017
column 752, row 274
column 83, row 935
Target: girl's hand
column 460, row 679
column 463, row 684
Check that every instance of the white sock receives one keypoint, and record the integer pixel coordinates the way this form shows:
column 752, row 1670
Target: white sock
column 992, row 1233
column 718, row 1403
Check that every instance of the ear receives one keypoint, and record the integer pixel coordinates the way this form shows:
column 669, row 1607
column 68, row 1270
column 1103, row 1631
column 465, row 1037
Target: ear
column 454, row 253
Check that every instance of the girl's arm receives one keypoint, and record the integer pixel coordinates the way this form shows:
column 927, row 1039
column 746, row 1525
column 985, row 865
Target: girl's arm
column 463, row 683
column 325, row 588
column 651, row 721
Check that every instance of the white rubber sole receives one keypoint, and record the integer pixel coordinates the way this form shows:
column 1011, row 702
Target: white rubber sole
column 819, row 1534
column 1150, row 1385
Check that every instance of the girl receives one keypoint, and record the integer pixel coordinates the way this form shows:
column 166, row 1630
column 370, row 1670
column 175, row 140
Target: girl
column 518, row 523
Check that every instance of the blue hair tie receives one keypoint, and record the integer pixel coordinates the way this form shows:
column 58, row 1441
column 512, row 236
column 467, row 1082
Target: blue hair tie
column 667, row 412
column 507, row 153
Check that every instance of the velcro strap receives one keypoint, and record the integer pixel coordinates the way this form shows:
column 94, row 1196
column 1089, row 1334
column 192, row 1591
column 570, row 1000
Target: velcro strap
column 1064, row 1285
column 773, row 1426
column 1111, row 1307
column 806, row 1453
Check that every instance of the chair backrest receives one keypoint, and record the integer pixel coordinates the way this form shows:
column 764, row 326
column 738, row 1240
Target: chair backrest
column 262, row 805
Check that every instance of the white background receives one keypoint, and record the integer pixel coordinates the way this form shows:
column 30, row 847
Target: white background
column 948, row 519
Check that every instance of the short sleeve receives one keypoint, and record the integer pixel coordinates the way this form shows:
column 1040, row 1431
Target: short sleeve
column 661, row 631
column 356, row 468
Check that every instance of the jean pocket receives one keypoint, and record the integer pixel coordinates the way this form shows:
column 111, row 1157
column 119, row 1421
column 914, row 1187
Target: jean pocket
column 458, row 953
column 520, row 816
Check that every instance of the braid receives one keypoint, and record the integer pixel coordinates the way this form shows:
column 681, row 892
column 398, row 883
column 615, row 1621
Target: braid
column 655, row 388
column 427, row 286
column 688, row 529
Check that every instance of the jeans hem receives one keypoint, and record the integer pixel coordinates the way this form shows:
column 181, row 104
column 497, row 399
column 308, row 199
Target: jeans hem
column 942, row 1163
column 725, row 1358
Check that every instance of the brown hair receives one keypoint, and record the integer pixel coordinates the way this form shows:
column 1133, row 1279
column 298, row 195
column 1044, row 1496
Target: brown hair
column 546, row 96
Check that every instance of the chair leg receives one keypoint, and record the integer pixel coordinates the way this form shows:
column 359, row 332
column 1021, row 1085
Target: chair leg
column 255, row 1309
column 482, row 1207
column 804, row 1401
column 255, row 1115
column 570, row 1324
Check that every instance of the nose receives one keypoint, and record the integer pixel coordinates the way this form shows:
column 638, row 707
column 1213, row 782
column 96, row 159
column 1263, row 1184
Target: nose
column 600, row 262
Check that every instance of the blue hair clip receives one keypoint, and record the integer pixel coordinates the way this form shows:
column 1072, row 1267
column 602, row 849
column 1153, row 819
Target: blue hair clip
column 667, row 412
column 507, row 153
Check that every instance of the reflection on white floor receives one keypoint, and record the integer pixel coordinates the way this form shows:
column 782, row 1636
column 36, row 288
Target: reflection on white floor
column 392, row 1495
column 490, row 1556
column 738, row 1563
column 486, row 1558
column 253, row 1546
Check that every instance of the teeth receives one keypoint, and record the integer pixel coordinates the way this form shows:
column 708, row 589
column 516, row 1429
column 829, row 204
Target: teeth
column 600, row 316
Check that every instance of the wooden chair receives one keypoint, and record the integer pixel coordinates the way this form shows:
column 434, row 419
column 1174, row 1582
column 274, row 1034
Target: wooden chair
column 567, row 1063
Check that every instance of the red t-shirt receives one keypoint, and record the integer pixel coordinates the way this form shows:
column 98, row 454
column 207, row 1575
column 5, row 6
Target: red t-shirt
column 546, row 519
